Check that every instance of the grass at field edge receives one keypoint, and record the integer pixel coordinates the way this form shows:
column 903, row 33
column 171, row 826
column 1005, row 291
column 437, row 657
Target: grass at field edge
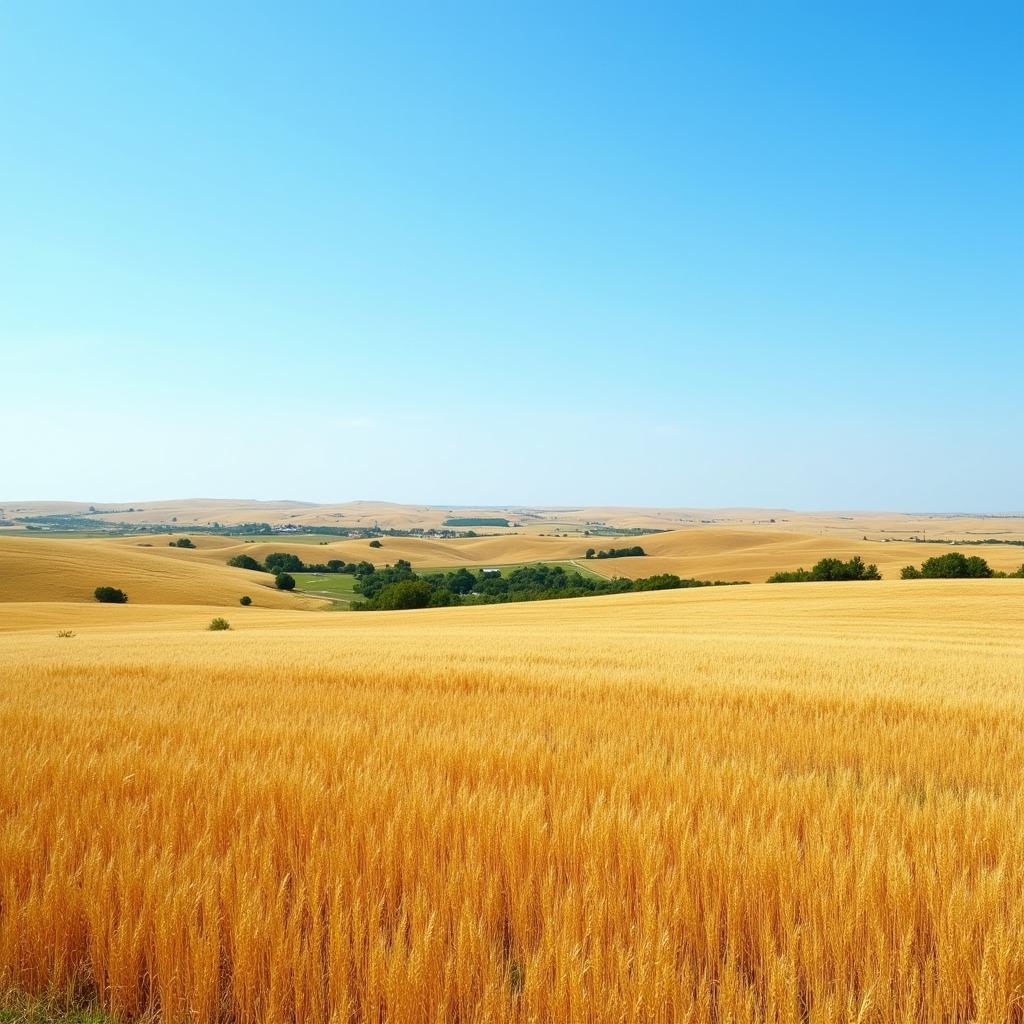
column 16, row 1009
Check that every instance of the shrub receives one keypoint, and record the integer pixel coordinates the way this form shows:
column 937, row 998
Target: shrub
column 663, row 581
column 245, row 562
column 793, row 576
column 376, row 544
column 110, row 595
column 284, row 582
column 245, row 601
column 65, row 633
column 218, row 624
column 182, row 542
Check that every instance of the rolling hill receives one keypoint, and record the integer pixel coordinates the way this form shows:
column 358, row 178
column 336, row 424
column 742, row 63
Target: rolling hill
column 754, row 555
column 45, row 569
column 711, row 552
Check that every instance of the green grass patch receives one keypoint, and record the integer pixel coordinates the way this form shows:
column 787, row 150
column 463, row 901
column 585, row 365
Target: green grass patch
column 43, row 1015
column 19, row 1009
column 338, row 586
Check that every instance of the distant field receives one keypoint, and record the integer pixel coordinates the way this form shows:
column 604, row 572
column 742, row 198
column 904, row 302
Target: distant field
column 387, row 515
column 790, row 804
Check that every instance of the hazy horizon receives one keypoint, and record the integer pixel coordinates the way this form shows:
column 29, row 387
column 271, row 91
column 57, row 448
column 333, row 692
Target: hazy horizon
column 510, row 505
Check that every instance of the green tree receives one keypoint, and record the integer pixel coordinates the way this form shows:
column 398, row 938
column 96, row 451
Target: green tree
column 829, row 569
column 954, row 565
column 837, row 569
column 407, row 594
column 376, row 544
column 462, row 581
column 110, row 595
column 245, row 601
column 978, row 568
column 245, row 562
column 283, row 581
column 283, row 561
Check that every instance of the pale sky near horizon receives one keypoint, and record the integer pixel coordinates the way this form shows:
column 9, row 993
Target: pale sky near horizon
column 672, row 254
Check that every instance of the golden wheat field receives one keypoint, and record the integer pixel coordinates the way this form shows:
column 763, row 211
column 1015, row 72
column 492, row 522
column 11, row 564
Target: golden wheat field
column 786, row 804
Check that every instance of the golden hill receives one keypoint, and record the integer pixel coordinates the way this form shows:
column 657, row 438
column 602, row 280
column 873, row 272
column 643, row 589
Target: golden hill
column 754, row 555
column 722, row 553
column 747, row 804
column 421, row 552
column 46, row 569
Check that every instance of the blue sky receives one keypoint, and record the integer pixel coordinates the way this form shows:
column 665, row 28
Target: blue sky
column 681, row 254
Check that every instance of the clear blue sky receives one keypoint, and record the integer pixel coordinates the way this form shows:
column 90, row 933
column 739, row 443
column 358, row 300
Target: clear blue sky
column 691, row 254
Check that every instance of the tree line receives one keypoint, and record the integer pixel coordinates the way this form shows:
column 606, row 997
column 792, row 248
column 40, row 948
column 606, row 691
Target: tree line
column 282, row 564
column 399, row 587
column 829, row 569
column 633, row 552
column 283, row 561
column 942, row 567
column 956, row 566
